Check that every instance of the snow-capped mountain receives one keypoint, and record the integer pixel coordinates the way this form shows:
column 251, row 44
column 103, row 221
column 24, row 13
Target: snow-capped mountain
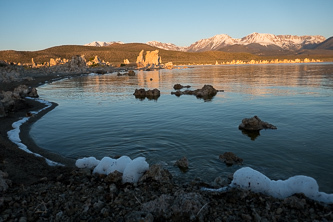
column 285, row 42
column 100, row 44
column 166, row 46
column 213, row 43
column 253, row 43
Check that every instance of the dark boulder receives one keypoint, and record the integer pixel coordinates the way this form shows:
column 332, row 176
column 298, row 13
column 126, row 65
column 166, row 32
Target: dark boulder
column 206, row 92
column 179, row 86
column 150, row 94
column 255, row 124
column 131, row 73
column 182, row 164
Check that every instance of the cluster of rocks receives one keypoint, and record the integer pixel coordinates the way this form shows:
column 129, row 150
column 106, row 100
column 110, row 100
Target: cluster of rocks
column 206, row 92
column 97, row 62
column 79, row 195
column 12, row 101
column 149, row 94
column 76, row 65
column 11, row 72
column 255, row 124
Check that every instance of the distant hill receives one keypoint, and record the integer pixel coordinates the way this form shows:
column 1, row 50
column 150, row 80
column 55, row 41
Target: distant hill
column 327, row 44
column 116, row 53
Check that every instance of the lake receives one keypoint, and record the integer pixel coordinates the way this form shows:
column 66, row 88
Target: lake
column 99, row 116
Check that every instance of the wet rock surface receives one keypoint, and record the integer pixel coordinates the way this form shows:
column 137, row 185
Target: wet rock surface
column 150, row 94
column 182, row 163
column 206, row 92
column 179, row 86
column 255, row 124
column 230, row 159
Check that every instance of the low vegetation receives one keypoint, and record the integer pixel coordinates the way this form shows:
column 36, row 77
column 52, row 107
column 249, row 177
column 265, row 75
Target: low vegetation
column 116, row 53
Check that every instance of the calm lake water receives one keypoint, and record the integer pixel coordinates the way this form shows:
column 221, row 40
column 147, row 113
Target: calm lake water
column 99, row 116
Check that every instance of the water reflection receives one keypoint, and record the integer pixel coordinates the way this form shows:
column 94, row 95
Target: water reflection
column 258, row 80
column 252, row 134
column 149, row 79
column 290, row 95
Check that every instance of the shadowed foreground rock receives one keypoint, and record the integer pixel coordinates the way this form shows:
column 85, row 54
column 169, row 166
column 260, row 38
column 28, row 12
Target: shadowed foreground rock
column 11, row 101
column 80, row 195
column 255, row 124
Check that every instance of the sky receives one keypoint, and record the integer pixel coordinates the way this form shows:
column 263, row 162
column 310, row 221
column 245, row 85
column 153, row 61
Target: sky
column 40, row 24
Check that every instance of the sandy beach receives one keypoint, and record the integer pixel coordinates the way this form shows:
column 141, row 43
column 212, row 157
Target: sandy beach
column 39, row 192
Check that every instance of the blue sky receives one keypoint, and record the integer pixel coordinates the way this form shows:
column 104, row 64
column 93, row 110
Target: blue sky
column 39, row 24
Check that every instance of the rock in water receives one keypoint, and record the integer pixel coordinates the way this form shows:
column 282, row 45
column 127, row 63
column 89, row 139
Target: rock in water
column 182, row 163
column 206, row 92
column 230, row 158
column 255, row 124
column 150, row 94
column 179, row 86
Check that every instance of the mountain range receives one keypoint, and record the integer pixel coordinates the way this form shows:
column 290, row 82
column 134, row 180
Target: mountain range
column 256, row 43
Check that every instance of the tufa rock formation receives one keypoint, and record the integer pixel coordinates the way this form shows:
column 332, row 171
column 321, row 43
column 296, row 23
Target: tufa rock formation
column 78, row 64
column 255, row 124
column 168, row 65
column 140, row 62
column 151, row 61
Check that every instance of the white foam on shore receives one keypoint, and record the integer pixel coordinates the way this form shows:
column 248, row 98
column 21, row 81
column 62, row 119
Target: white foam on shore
column 132, row 170
column 14, row 134
column 247, row 178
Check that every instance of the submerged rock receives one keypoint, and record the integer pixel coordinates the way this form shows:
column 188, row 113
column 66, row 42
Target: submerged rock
column 230, row 159
column 255, row 124
column 182, row 163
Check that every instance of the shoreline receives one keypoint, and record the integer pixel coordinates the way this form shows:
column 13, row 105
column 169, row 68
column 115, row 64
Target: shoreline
column 31, row 168
column 84, row 196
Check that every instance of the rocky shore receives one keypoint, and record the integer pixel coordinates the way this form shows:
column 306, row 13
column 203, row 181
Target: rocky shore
column 31, row 190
